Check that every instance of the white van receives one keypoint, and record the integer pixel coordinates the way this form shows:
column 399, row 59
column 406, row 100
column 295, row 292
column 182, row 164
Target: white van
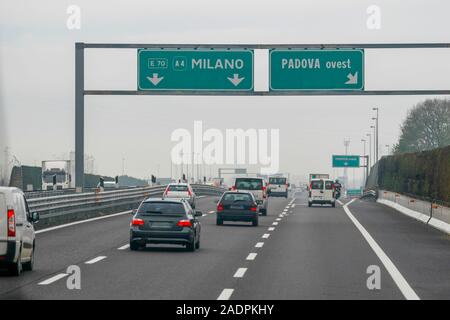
column 17, row 236
column 278, row 187
column 321, row 191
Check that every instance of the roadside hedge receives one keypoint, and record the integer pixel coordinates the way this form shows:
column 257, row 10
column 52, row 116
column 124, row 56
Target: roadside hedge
column 425, row 174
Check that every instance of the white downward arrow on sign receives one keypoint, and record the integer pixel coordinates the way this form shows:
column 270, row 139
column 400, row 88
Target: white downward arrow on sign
column 155, row 80
column 236, row 80
column 352, row 79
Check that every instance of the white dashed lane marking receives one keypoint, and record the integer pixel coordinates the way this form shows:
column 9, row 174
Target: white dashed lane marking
column 226, row 294
column 251, row 256
column 259, row 245
column 266, row 235
column 125, row 247
column 240, row 272
column 95, row 260
column 53, row 279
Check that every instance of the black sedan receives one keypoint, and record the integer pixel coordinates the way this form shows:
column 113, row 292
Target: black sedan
column 237, row 206
column 161, row 221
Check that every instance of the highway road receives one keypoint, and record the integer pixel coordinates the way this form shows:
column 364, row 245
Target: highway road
column 296, row 252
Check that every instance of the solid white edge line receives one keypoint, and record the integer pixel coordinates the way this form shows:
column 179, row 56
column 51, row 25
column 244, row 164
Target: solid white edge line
column 340, row 202
column 259, row 245
column 95, row 260
column 240, row 273
column 251, row 256
column 225, row 294
column 399, row 280
column 83, row 221
column 53, row 279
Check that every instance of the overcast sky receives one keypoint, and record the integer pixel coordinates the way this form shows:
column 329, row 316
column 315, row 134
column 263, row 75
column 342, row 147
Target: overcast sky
column 37, row 77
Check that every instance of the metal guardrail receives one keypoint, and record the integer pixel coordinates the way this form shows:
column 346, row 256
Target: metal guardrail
column 69, row 202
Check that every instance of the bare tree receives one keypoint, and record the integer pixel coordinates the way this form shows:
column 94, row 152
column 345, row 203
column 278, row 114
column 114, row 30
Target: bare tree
column 426, row 127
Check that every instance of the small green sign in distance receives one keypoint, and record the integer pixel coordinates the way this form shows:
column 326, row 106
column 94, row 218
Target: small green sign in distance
column 190, row 69
column 307, row 69
column 346, row 161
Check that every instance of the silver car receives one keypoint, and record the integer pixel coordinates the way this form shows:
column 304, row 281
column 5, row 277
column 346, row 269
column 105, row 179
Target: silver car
column 17, row 236
column 180, row 191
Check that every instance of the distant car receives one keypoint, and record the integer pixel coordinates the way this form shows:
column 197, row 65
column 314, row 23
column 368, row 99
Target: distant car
column 257, row 187
column 17, row 235
column 163, row 221
column 278, row 187
column 237, row 206
column 180, row 191
column 321, row 191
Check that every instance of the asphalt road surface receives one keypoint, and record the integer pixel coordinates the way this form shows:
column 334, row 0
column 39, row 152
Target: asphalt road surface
column 296, row 252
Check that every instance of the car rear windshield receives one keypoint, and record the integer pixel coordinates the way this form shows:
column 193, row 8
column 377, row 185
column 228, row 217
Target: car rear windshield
column 249, row 184
column 234, row 197
column 178, row 188
column 277, row 180
column 315, row 185
column 161, row 208
column 328, row 185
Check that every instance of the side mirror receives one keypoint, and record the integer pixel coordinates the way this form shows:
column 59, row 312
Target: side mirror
column 35, row 217
column 198, row 213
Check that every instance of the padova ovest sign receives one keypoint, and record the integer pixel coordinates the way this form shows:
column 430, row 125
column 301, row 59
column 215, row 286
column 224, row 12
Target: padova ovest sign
column 192, row 69
column 308, row 69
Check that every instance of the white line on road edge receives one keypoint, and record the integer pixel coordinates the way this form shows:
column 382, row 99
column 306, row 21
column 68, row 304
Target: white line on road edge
column 53, row 279
column 100, row 258
column 251, row 256
column 124, row 247
column 271, row 228
column 226, row 294
column 399, row 280
column 340, row 202
column 240, row 273
column 259, row 245
column 266, row 235
column 83, row 221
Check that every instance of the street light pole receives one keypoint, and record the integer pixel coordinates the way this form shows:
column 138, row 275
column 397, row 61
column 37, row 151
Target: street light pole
column 365, row 160
column 377, row 134
column 370, row 149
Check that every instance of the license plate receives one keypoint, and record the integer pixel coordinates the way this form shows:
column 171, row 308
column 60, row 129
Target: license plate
column 237, row 207
column 161, row 224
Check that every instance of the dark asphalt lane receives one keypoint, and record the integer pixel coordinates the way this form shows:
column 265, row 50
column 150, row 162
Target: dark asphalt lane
column 315, row 253
column 420, row 252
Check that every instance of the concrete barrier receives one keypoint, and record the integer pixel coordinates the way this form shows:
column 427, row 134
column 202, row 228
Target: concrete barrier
column 433, row 214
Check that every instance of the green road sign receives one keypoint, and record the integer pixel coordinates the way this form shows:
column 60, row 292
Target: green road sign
column 345, row 161
column 295, row 70
column 354, row 192
column 189, row 69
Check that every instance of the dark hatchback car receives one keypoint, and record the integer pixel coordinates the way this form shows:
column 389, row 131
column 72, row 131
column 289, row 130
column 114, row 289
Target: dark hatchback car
column 159, row 221
column 237, row 206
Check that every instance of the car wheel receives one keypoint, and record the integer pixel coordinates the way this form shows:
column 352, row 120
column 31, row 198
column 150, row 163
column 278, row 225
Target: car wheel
column 29, row 266
column 134, row 246
column 15, row 269
column 255, row 222
column 191, row 246
column 264, row 212
column 197, row 245
column 219, row 222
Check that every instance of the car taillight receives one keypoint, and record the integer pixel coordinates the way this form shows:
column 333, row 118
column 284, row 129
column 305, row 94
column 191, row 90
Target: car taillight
column 11, row 223
column 253, row 208
column 137, row 222
column 184, row 223
column 220, row 207
column 264, row 191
